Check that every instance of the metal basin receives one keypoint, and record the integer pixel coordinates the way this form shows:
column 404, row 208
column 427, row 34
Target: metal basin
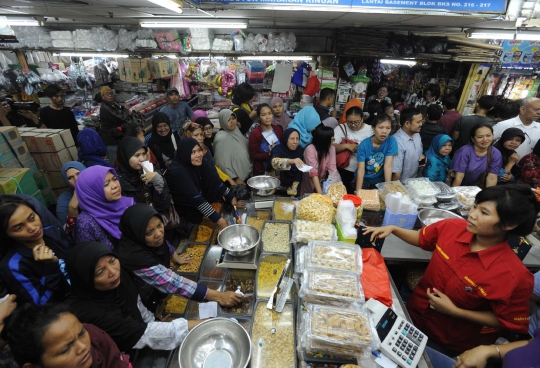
column 239, row 240
column 429, row 216
column 263, row 185
column 216, row 343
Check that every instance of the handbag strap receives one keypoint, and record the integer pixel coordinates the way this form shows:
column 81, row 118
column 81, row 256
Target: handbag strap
column 488, row 161
column 344, row 131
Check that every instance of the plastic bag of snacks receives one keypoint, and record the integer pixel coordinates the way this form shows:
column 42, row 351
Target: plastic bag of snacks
column 316, row 207
column 334, row 255
column 336, row 191
column 329, row 287
column 370, row 199
column 304, row 231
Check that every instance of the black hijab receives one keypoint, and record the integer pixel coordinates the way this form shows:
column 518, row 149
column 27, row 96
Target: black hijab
column 188, row 181
column 130, row 179
column 165, row 143
column 283, row 151
column 507, row 135
column 208, row 142
column 114, row 311
column 132, row 250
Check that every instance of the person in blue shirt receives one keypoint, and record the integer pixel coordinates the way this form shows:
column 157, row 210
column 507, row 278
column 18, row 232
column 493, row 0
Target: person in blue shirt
column 375, row 155
column 177, row 111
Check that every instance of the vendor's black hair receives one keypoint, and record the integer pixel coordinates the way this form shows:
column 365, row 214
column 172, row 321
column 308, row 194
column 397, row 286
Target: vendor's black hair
column 476, row 127
column 434, row 112
column 516, row 205
column 25, row 327
column 131, row 130
column 356, row 111
column 408, row 114
column 435, row 90
column 374, row 109
column 8, row 206
column 450, row 102
column 260, row 107
column 488, row 102
column 243, row 93
column 508, row 110
column 381, row 119
column 325, row 93
column 322, row 140
column 52, row 90
column 383, row 85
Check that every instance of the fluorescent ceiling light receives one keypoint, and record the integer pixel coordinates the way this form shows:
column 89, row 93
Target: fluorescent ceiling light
column 214, row 23
column 528, row 35
column 169, row 4
column 487, row 34
column 270, row 57
column 88, row 54
column 28, row 23
column 399, row 62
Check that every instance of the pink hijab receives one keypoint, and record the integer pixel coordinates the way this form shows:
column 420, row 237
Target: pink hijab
column 284, row 120
column 199, row 114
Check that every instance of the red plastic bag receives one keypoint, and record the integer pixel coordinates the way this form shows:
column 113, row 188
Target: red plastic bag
column 313, row 86
column 375, row 279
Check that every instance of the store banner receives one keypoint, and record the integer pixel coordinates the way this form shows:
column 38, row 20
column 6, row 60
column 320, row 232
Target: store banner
column 489, row 6
column 520, row 54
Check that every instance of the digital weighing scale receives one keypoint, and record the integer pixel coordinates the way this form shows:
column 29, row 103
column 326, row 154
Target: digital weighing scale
column 263, row 201
column 247, row 262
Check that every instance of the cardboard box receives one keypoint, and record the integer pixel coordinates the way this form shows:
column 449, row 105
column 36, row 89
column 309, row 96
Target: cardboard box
column 67, row 138
column 74, row 153
column 59, row 191
column 26, row 129
column 11, row 135
column 8, row 159
column 21, row 152
column 163, row 68
column 49, row 197
column 54, row 161
column 39, row 196
column 30, row 139
column 139, row 70
column 9, row 178
column 41, row 180
column 30, row 164
column 55, row 179
column 38, row 158
column 49, row 142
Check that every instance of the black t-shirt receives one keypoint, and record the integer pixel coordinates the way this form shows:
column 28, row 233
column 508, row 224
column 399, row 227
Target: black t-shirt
column 428, row 132
column 59, row 119
column 243, row 118
column 464, row 125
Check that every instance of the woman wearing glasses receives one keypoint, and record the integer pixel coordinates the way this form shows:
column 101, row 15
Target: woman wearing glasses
column 347, row 138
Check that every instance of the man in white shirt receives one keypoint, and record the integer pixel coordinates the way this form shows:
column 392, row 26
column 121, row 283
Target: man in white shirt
column 527, row 121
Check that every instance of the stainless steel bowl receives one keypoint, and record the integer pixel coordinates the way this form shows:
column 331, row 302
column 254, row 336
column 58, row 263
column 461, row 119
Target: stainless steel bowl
column 218, row 342
column 263, row 185
column 239, row 240
column 429, row 216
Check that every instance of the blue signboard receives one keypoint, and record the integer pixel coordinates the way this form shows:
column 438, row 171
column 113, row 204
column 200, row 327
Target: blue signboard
column 489, row 6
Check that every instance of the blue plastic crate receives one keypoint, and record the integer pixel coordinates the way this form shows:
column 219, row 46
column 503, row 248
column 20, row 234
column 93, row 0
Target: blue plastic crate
column 400, row 220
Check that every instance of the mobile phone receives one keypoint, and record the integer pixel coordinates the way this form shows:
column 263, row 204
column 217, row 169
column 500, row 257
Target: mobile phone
column 422, row 162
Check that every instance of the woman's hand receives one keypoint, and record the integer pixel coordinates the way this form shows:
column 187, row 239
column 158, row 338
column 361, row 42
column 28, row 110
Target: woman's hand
column 476, row 358
column 352, row 147
column 253, row 114
column 229, row 298
column 147, row 178
column 271, row 147
column 239, row 181
column 181, row 258
column 28, row 115
column 222, row 224
column 159, row 313
column 441, row 303
column 231, row 182
column 378, row 232
column 42, row 253
column 7, row 307
column 514, row 157
column 506, row 177
column 73, row 206
column 237, row 204
column 297, row 161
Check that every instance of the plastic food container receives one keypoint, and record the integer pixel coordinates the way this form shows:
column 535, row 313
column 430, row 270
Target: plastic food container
column 257, row 218
column 466, row 195
column 276, row 237
column 272, row 337
column 246, row 280
column 391, row 187
column 284, row 209
column 446, row 194
column 370, row 199
column 304, row 231
column 193, row 306
column 176, row 305
column 334, row 256
column 204, row 232
column 422, row 187
column 357, row 202
column 326, row 287
column 209, row 263
column 268, row 272
column 197, row 253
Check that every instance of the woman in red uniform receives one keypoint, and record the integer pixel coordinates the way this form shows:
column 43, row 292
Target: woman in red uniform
column 474, row 282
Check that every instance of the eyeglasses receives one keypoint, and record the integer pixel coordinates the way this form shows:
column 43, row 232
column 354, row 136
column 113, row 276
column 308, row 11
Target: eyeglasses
column 208, row 127
column 357, row 122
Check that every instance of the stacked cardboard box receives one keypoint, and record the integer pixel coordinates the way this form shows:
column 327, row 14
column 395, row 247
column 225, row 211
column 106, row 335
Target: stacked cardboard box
column 134, row 70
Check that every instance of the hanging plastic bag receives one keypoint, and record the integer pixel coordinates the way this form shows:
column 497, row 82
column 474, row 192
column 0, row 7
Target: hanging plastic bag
column 375, row 279
column 300, row 76
column 313, row 86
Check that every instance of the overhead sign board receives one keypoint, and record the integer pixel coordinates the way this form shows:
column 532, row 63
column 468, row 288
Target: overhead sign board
column 490, row 6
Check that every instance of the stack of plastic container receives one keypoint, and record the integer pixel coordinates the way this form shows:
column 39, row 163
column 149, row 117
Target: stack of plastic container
column 201, row 38
column 255, row 72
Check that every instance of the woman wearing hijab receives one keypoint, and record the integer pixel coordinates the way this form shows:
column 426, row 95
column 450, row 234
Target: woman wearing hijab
column 231, row 151
column 102, row 204
column 92, row 149
column 287, row 157
column 163, row 141
column 199, row 114
column 305, row 122
column 105, row 296
column 280, row 117
column 352, row 102
column 194, row 184
column 510, row 140
column 145, row 187
column 67, row 204
column 145, row 253
column 529, row 167
column 438, row 158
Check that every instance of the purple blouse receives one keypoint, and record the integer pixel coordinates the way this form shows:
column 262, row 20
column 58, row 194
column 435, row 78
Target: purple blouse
column 87, row 229
column 473, row 166
column 526, row 356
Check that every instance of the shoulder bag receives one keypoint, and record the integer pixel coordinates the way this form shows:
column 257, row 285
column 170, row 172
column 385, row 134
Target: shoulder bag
column 481, row 182
column 342, row 158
